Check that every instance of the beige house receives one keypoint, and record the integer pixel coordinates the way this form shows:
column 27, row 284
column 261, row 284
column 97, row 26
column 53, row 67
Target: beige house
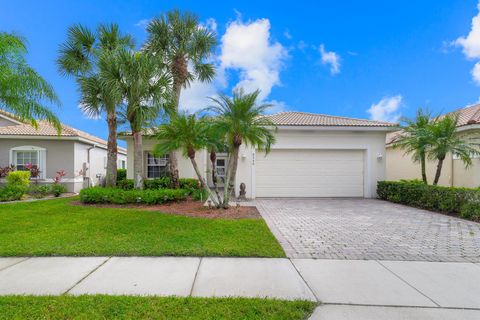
column 81, row 155
column 315, row 155
column 454, row 173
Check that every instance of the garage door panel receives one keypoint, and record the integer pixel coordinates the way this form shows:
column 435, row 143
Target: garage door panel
column 310, row 173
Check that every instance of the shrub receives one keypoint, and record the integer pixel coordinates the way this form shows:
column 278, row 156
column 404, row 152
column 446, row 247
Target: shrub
column 437, row 198
column 57, row 189
column 126, row 184
column 189, row 184
column 40, row 191
column 199, row 195
column 12, row 192
column 18, row 178
column 118, row 196
column 121, row 174
column 5, row 170
column 158, row 183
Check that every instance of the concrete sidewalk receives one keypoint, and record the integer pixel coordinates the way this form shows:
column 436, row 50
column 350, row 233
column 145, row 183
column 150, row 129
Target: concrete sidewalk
column 348, row 289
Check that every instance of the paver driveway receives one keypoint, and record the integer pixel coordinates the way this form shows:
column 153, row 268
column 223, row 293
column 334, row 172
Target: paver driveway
column 368, row 229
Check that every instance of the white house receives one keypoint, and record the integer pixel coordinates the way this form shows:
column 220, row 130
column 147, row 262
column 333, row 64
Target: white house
column 82, row 156
column 314, row 155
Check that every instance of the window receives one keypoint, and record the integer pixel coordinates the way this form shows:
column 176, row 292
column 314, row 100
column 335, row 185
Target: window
column 220, row 167
column 123, row 164
column 21, row 156
column 156, row 166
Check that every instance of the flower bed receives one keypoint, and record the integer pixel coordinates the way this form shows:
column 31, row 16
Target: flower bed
column 119, row 196
column 464, row 202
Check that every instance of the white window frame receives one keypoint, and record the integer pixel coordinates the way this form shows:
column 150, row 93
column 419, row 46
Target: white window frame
column 41, row 156
column 122, row 164
column 163, row 159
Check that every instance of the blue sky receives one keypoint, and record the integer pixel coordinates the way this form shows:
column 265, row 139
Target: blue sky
column 341, row 58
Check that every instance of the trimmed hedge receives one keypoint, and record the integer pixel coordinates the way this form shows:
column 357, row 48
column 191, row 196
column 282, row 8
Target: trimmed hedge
column 12, row 193
column 189, row 184
column 121, row 174
column 464, row 202
column 118, row 196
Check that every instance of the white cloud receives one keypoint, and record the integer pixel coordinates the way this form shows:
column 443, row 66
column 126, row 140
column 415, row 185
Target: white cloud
column 210, row 24
column 196, row 97
column 386, row 109
column 248, row 49
column 143, row 23
column 276, row 106
column 476, row 73
column 330, row 58
column 471, row 43
column 287, row 34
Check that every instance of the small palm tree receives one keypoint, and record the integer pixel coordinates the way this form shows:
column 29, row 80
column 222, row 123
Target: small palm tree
column 83, row 56
column 416, row 138
column 241, row 120
column 138, row 80
column 446, row 140
column 181, row 41
column 22, row 90
column 188, row 134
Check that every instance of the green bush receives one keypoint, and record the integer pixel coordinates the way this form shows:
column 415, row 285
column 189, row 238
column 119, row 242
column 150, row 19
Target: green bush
column 121, row 174
column 18, row 178
column 12, row 192
column 118, row 196
column 189, row 183
column 199, row 195
column 158, row 183
column 436, row 198
column 126, row 184
column 471, row 211
column 39, row 191
column 57, row 189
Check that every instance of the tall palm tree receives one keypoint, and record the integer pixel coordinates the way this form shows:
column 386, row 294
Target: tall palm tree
column 144, row 85
column 182, row 41
column 22, row 90
column 83, row 56
column 188, row 134
column 416, row 138
column 241, row 120
column 446, row 140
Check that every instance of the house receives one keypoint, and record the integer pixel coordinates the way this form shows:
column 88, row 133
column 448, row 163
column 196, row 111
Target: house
column 315, row 155
column 82, row 156
column 454, row 173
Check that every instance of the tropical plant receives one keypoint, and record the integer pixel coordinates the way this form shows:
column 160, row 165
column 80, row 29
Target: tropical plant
column 5, row 170
column 182, row 41
column 22, row 90
column 445, row 140
column 34, row 171
column 415, row 138
column 84, row 56
column 188, row 134
column 240, row 120
column 145, row 87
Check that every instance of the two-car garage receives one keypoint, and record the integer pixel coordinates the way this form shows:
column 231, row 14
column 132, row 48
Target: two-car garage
column 310, row 173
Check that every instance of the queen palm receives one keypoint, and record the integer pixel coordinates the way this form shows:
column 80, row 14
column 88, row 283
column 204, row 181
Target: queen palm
column 144, row 85
column 23, row 91
column 179, row 40
column 416, row 138
column 445, row 140
column 188, row 134
column 241, row 120
column 83, row 56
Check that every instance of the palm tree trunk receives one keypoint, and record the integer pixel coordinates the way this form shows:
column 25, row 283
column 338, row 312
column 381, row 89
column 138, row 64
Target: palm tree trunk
column 111, row 178
column 203, row 183
column 424, row 169
column 138, row 160
column 231, row 171
column 439, row 171
column 174, row 174
column 213, row 160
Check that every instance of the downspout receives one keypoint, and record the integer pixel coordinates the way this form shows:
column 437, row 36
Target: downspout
column 88, row 164
column 452, row 167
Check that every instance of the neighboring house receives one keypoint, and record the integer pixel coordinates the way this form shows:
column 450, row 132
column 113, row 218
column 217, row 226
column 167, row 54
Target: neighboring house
column 314, row 156
column 454, row 173
column 81, row 155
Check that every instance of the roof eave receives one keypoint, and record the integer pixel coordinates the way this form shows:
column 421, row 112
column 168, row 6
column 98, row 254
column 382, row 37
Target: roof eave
column 339, row 128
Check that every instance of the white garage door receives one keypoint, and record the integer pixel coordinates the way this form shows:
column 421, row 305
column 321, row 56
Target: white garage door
column 309, row 173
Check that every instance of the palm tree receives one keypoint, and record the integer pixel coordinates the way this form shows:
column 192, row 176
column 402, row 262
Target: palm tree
column 81, row 56
column 22, row 90
column 182, row 41
column 140, row 81
column 241, row 120
column 446, row 140
column 416, row 138
column 188, row 134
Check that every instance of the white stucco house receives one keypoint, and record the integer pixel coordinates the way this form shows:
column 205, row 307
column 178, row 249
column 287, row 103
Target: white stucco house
column 81, row 155
column 314, row 155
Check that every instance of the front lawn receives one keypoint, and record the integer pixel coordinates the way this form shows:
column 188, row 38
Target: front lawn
column 129, row 307
column 56, row 227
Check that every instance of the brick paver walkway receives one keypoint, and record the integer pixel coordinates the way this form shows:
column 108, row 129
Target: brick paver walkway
column 368, row 229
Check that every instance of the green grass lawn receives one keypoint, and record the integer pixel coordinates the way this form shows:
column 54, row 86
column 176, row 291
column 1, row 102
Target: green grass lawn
column 56, row 227
column 128, row 307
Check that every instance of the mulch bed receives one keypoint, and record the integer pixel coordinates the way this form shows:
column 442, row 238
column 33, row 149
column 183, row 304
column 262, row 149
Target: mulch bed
column 188, row 208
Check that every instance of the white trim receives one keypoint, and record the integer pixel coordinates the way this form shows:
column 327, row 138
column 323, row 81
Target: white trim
column 10, row 119
column 41, row 154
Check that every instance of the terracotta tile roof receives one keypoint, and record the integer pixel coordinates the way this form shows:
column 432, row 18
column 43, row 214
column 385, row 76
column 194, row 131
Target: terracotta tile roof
column 48, row 130
column 468, row 115
column 310, row 119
